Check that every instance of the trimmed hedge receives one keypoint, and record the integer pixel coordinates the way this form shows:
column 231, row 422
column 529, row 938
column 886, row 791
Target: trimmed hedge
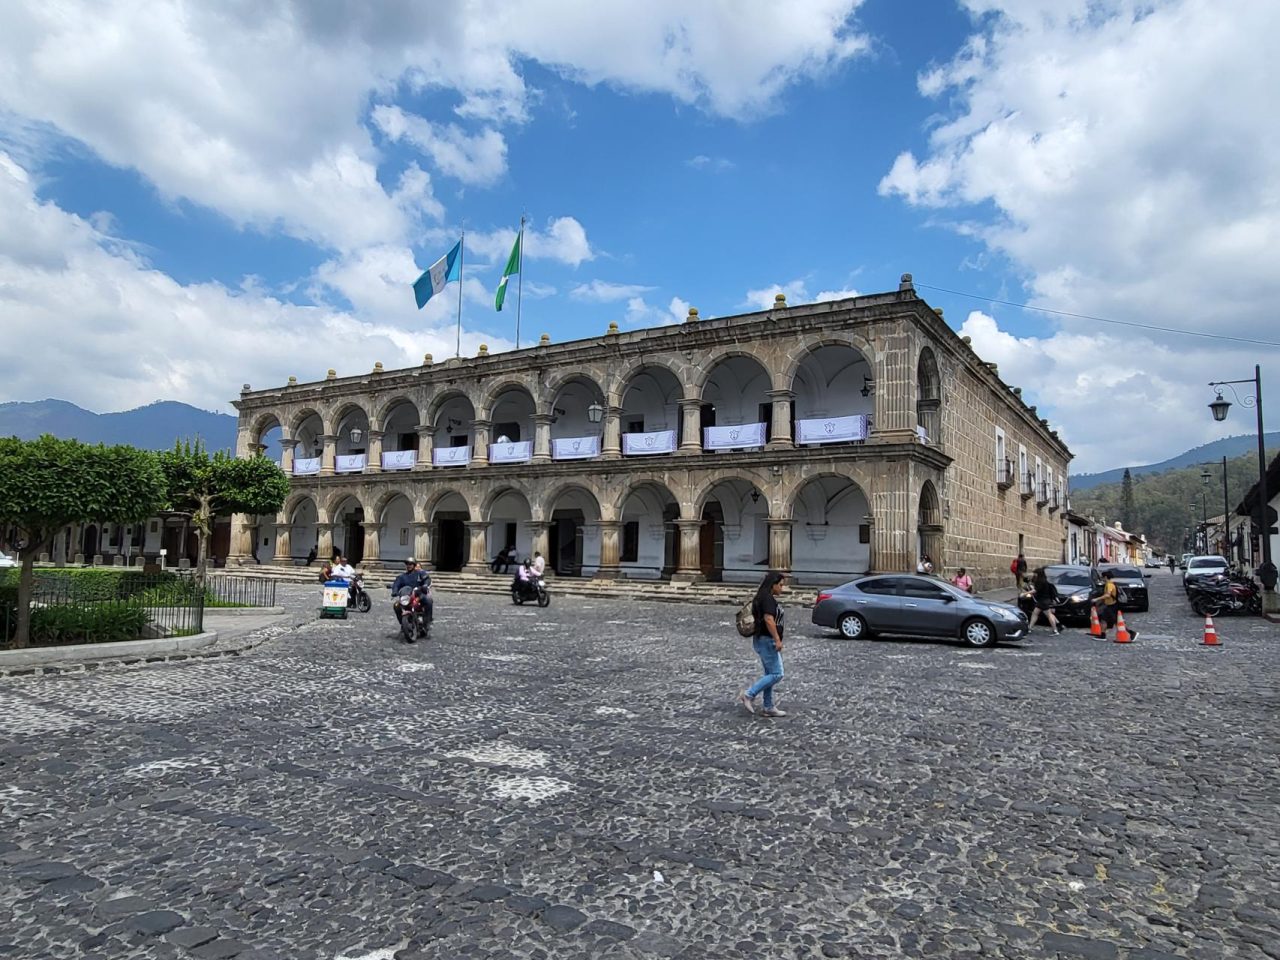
column 90, row 584
column 98, row 623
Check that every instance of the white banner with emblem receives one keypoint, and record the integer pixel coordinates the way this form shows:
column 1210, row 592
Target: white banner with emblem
column 520, row 451
column 351, row 463
column 451, row 456
column 575, row 448
column 832, row 429
column 658, row 441
column 399, row 459
column 730, row 437
column 307, row 467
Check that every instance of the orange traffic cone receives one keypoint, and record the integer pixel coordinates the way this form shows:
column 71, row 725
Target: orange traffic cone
column 1122, row 632
column 1095, row 627
column 1210, row 634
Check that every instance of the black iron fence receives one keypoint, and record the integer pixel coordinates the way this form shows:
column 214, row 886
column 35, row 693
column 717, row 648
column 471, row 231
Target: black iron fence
column 230, row 591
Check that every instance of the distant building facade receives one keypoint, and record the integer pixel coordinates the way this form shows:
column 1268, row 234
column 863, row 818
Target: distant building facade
column 826, row 439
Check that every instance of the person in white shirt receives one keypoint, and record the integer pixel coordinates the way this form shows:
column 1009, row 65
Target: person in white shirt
column 343, row 570
column 539, row 564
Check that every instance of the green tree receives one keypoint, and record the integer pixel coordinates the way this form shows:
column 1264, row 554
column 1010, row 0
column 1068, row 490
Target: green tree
column 49, row 483
column 208, row 487
column 1127, row 515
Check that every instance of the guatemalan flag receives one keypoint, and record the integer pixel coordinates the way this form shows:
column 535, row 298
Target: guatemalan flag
column 448, row 267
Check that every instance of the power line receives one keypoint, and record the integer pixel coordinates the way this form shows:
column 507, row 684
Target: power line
column 1085, row 316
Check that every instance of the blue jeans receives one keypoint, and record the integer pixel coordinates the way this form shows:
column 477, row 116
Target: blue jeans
column 771, row 661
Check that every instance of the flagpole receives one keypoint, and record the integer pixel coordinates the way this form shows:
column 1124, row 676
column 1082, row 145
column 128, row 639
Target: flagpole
column 462, row 256
column 520, row 286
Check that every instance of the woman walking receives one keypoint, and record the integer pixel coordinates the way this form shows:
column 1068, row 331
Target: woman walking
column 768, row 644
column 1046, row 597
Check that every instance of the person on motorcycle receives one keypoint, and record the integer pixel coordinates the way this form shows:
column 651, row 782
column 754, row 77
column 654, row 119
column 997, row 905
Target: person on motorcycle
column 343, row 570
column 416, row 578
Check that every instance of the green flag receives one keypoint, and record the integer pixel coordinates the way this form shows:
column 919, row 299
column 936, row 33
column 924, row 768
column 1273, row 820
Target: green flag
column 513, row 266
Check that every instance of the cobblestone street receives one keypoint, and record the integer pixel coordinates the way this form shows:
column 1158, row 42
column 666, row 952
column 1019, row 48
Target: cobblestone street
column 578, row 782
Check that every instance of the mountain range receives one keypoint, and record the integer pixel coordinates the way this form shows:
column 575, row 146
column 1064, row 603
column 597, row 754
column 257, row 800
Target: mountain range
column 1226, row 447
column 153, row 427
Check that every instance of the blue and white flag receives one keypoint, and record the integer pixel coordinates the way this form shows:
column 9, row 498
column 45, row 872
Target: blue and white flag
column 448, row 267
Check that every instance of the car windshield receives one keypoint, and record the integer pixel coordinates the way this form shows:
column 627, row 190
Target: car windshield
column 1126, row 573
column 1069, row 578
column 1208, row 562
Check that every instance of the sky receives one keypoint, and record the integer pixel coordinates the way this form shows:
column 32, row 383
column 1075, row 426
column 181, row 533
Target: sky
column 195, row 196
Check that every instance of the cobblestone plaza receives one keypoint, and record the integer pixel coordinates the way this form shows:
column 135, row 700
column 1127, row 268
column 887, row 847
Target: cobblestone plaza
column 577, row 782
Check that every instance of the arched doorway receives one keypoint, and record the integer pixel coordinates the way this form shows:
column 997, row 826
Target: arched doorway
column 509, row 515
column 395, row 533
column 511, row 415
column 450, row 544
column 928, row 398
column 348, row 529
column 733, row 541
column 831, row 531
column 304, row 529
column 649, row 538
column 929, row 527
column 651, row 404
column 454, row 425
column 400, row 434
column 834, row 395
column 571, row 552
column 308, row 449
column 736, row 393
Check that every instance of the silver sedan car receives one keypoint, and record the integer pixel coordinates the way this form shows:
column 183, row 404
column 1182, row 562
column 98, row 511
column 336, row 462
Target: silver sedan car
column 916, row 606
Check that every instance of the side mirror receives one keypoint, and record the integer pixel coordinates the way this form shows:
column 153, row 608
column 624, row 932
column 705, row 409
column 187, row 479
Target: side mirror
column 1146, row 576
column 948, row 598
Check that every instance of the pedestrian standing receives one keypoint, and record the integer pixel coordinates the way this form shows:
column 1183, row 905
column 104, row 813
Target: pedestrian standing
column 1019, row 570
column 767, row 643
column 1109, row 606
column 1046, row 598
column 1172, row 564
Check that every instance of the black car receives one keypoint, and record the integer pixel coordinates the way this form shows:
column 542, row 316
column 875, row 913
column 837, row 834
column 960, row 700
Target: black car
column 1131, row 585
column 1076, row 586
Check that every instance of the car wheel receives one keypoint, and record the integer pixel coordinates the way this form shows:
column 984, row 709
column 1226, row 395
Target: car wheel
column 852, row 627
column 978, row 633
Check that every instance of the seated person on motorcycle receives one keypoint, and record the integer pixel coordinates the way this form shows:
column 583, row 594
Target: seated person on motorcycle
column 414, row 577
column 343, row 570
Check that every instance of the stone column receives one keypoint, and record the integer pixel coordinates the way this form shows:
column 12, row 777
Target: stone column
column 691, row 418
column 478, row 558
column 541, row 437
column 779, row 544
column 288, row 450
column 284, row 544
column 480, row 443
column 372, row 542
column 893, row 533
column 375, row 452
column 330, row 442
column 422, row 542
column 538, row 530
column 610, row 550
column 780, row 429
column 324, row 542
column 426, row 443
column 241, row 539
column 688, row 564
column 611, row 448
column 895, row 376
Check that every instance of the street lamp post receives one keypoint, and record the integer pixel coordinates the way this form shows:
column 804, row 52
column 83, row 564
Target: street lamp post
column 1219, row 408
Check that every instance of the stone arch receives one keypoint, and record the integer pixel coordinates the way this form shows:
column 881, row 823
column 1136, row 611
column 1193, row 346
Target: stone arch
column 510, row 408
column 346, row 515
column 928, row 396
column 650, row 395
column 800, row 353
column 831, row 378
column 572, row 513
column 302, row 515
column 398, row 420
column 302, row 416
column 697, row 385
column 385, row 408
column 646, row 510
column 452, row 419
column 263, row 422
column 582, row 497
column 734, row 389
column 734, row 536
column 509, row 513
column 448, row 514
column 568, row 400
column 344, row 410
column 350, row 428
column 395, row 516
column 443, row 398
column 620, row 380
column 831, row 530
column 491, row 395
column 555, row 385
column 929, row 527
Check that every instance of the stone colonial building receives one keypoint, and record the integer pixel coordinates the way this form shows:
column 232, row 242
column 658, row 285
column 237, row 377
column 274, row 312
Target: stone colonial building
column 827, row 439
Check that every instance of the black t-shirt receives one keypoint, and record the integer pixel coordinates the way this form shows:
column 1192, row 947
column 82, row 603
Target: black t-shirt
column 768, row 607
column 1046, row 593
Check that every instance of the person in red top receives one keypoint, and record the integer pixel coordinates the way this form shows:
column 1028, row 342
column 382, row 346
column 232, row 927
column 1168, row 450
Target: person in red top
column 1019, row 570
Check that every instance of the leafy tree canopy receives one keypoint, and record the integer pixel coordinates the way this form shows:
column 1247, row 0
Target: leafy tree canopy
column 220, row 483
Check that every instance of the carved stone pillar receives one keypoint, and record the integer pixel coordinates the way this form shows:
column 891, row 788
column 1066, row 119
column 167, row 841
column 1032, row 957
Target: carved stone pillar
column 893, row 533
column 688, row 563
column 480, row 443
column 610, row 550
column 288, row 450
column 241, row 539
column 779, row 544
column 324, row 541
column 375, row 452
column 426, row 443
column 422, row 542
column 780, row 429
column 538, row 532
column 372, row 542
column 478, row 555
column 612, row 446
column 895, row 376
column 284, row 541
column 329, row 455
column 541, row 437
column 691, row 420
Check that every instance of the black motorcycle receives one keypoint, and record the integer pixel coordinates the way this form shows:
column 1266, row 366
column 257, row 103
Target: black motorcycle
column 415, row 619
column 1222, row 594
column 357, row 598
column 534, row 588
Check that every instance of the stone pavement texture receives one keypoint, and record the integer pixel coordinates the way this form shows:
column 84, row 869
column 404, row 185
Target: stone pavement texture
column 577, row 782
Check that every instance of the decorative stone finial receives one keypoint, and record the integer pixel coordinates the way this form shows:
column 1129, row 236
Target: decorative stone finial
column 484, row 350
column 293, row 381
column 693, row 315
column 938, row 311
column 246, row 388
column 544, row 340
column 377, row 366
column 967, row 339
column 906, row 283
column 1017, row 391
column 779, row 300
column 994, row 368
column 332, row 374
column 426, row 360
column 1032, row 409
column 613, row 328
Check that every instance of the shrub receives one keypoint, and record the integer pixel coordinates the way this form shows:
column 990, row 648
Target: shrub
column 95, row 623
column 133, row 582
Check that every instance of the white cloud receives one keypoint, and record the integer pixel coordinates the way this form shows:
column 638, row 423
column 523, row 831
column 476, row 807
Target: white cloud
column 795, row 291
column 642, row 314
column 712, row 164
column 1126, row 148
column 602, row 291
column 564, row 240
column 476, row 160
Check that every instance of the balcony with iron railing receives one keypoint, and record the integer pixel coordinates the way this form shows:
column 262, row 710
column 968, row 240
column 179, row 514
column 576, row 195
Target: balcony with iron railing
column 1042, row 493
column 1027, row 485
column 1005, row 474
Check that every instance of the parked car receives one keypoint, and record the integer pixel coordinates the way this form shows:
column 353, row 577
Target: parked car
column 1198, row 568
column 1182, row 561
column 1076, row 586
column 916, row 606
column 1131, row 584
column 7, row 561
